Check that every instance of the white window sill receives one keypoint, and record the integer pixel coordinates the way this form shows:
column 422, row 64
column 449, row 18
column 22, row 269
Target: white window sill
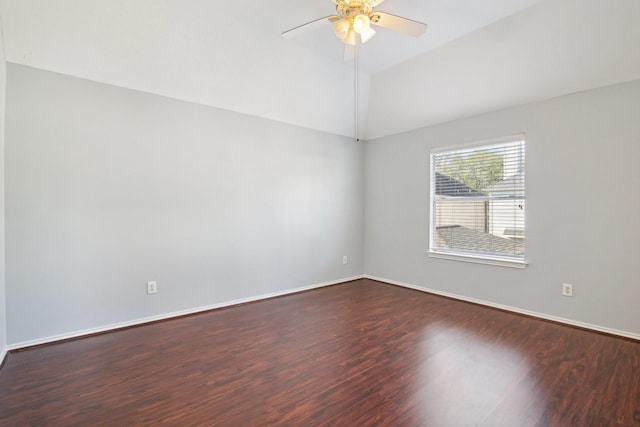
column 500, row 262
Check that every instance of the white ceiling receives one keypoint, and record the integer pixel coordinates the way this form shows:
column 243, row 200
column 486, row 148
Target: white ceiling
column 447, row 20
column 555, row 48
column 476, row 56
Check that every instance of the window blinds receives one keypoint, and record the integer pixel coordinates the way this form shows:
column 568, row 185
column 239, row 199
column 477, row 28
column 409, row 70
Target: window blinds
column 478, row 199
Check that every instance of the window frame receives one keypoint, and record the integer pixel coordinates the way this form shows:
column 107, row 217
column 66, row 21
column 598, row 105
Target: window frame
column 489, row 259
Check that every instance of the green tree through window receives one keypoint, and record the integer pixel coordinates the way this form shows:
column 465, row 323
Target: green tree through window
column 464, row 168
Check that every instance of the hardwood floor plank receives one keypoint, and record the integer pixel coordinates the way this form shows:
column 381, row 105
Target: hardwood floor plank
column 361, row 353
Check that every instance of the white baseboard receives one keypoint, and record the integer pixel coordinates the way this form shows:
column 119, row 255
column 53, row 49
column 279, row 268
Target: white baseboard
column 137, row 322
column 3, row 354
column 570, row 322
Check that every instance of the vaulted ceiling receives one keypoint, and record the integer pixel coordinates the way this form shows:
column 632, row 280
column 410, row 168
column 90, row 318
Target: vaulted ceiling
column 476, row 56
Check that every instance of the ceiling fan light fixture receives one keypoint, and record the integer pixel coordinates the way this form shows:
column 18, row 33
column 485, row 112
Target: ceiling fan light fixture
column 341, row 28
column 361, row 23
column 366, row 35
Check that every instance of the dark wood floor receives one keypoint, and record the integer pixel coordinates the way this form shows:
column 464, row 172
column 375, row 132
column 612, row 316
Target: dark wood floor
column 357, row 354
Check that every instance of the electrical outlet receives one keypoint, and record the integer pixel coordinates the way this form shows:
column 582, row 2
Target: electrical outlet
column 345, row 260
column 567, row 290
column 152, row 288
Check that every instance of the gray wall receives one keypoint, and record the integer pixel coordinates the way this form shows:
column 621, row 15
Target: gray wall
column 3, row 306
column 108, row 188
column 583, row 207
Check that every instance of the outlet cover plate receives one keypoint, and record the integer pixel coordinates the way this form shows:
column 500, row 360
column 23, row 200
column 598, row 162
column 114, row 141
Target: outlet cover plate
column 152, row 288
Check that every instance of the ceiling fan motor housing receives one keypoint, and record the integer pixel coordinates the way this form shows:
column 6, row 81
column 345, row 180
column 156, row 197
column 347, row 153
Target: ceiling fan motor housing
column 350, row 9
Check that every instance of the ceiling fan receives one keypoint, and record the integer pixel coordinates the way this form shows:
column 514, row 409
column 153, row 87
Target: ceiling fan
column 353, row 20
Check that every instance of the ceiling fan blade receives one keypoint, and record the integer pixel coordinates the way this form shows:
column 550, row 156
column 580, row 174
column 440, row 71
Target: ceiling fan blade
column 309, row 26
column 398, row 23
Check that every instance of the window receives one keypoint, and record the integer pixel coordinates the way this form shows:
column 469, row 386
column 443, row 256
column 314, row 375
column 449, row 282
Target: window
column 478, row 202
